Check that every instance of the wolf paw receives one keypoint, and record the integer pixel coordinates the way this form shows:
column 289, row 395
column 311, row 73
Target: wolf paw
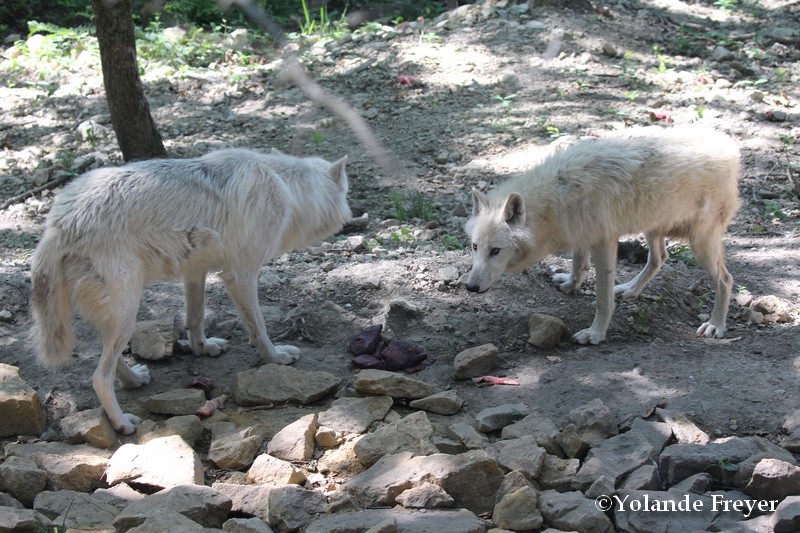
column 588, row 336
column 285, row 355
column 707, row 329
column 214, row 346
column 565, row 282
column 143, row 373
column 128, row 425
column 626, row 291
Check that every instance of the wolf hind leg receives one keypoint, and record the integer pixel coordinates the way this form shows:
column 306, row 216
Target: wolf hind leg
column 656, row 257
column 568, row 283
column 709, row 252
column 243, row 289
column 194, row 283
column 605, row 266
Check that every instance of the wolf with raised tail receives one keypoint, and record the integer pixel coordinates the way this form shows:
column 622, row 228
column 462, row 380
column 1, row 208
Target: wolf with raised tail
column 113, row 231
column 679, row 182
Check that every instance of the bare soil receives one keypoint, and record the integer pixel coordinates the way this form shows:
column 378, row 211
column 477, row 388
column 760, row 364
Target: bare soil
column 460, row 104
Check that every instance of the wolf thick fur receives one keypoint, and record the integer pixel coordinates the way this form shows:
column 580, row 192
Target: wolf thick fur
column 679, row 182
column 114, row 230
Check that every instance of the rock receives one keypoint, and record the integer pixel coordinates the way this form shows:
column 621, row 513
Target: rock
column 155, row 339
column 570, row 511
column 522, row 455
column 438, row 521
column 425, row 496
column 291, row 508
column 545, row 331
column 786, row 518
column 469, row 436
column 791, row 441
column 118, row 496
column 774, row 479
column 279, row 384
column 442, row 403
column 199, row 503
column 602, row 486
column 246, row 525
column 471, row 479
column 273, row 471
column 696, row 484
column 542, row 429
column 387, row 526
column 572, row 443
column 658, row 433
column 448, row 274
column 176, row 402
column 684, row 430
column 326, row 437
column 594, row 421
column 343, row 460
column 13, row 519
column 784, row 35
column 609, row 50
column 775, row 309
column 558, row 474
column 693, row 512
column 90, row 426
column 614, row 458
column 718, row 458
column 518, row 510
column 412, row 433
column 720, row 53
column 71, row 509
column 475, row 362
column 355, row 415
column 166, row 521
column 22, row 478
column 247, row 499
column 295, row 442
column 68, row 467
column 21, row 409
column 396, row 385
column 188, row 427
column 164, row 462
column 496, row 418
column 233, row 447
column 643, row 478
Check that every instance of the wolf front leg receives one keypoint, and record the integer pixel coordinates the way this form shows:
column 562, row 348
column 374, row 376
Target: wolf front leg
column 605, row 266
column 567, row 283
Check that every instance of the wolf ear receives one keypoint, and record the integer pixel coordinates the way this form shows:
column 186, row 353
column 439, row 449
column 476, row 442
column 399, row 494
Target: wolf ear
column 514, row 210
column 479, row 202
column 338, row 173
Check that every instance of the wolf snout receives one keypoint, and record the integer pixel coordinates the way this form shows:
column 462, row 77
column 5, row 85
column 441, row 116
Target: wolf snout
column 474, row 288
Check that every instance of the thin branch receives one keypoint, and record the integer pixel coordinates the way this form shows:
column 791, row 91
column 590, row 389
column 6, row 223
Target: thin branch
column 52, row 184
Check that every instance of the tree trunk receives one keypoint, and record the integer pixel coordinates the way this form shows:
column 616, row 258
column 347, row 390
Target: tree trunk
column 136, row 131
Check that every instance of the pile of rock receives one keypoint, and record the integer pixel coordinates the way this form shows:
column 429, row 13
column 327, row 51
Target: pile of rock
column 360, row 466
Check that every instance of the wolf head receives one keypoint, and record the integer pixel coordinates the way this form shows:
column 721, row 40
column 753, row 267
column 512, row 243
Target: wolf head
column 499, row 238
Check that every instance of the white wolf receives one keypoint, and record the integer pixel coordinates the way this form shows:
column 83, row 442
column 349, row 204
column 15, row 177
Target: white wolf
column 114, row 230
column 679, row 182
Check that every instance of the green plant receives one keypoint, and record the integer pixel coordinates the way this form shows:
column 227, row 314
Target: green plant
column 402, row 235
column 505, row 102
column 412, row 205
column 725, row 4
column 552, row 131
column 451, row 242
column 681, row 252
column 773, row 209
column 631, row 95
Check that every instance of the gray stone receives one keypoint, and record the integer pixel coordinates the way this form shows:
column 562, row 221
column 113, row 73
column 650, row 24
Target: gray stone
column 387, row 526
column 278, row 384
column 496, row 418
column 425, row 496
column 233, row 447
column 92, row 427
column 164, row 462
column 602, row 486
column 13, row 519
column 71, row 509
column 643, row 478
column 614, row 458
column 572, row 443
column 176, row 402
column 469, row 436
column 786, row 518
column 522, row 455
column 558, row 474
column 187, row 427
column 394, row 384
column 412, row 433
column 247, row 499
column 658, row 433
column 355, row 415
column 295, row 442
column 685, row 431
column 291, row 508
column 570, row 511
column 273, row 471
column 542, row 429
column 22, row 478
column 518, row 510
column 512, row 482
column 442, row 403
column 696, row 484
column 342, row 460
column 545, row 331
column 433, row 521
column 21, row 409
column 199, row 503
column 791, row 424
column 328, row 437
column 686, row 512
column 155, row 339
column 68, row 467
column 246, row 525
column 475, row 362
column 166, row 521
column 774, row 479
column 594, row 421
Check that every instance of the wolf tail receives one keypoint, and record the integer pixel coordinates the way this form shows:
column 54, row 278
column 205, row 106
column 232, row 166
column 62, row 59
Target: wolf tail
column 51, row 335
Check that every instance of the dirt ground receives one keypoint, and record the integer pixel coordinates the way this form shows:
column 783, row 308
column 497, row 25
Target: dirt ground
column 466, row 103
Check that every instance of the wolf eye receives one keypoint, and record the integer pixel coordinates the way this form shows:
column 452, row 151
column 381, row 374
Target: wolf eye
column 474, row 247
column 494, row 251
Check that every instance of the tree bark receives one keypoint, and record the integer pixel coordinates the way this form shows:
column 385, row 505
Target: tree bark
column 137, row 135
